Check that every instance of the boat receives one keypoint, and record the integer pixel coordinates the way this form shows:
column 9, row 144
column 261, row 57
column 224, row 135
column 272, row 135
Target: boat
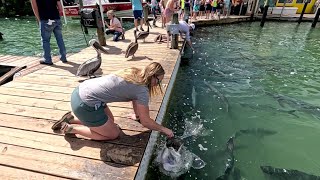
column 72, row 9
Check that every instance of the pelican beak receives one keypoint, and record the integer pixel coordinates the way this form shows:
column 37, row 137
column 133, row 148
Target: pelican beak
column 95, row 44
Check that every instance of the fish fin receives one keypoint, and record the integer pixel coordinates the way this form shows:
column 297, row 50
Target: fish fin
column 292, row 113
column 281, row 103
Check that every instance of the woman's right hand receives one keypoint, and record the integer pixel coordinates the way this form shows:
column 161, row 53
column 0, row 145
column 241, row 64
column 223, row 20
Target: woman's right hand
column 168, row 132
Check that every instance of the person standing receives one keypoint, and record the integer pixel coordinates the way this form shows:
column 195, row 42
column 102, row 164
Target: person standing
column 48, row 18
column 137, row 13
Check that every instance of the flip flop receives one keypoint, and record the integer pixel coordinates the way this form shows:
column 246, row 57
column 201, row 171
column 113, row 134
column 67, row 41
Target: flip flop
column 65, row 118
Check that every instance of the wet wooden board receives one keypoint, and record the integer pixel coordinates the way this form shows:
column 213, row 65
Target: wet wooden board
column 33, row 101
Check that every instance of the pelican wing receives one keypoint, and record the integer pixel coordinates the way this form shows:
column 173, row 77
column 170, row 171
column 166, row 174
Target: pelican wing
column 88, row 66
column 131, row 50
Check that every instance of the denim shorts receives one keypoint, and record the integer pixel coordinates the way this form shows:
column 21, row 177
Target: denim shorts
column 88, row 115
column 137, row 14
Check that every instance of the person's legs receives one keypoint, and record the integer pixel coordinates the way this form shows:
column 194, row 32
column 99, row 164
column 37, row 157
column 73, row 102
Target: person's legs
column 58, row 34
column 46, row 31
column 135, row 15
column 116, row 35
column 107, row 131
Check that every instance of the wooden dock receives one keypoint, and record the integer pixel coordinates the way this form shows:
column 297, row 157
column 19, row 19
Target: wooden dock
column 33, row 101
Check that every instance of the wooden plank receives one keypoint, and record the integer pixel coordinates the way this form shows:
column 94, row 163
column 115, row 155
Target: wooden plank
column 53, row 104
column 107, row 152
column 62, row 165
column 35, row 94
column 127, row 137
column 40, row 87
column 55, row 114
column 10, row 173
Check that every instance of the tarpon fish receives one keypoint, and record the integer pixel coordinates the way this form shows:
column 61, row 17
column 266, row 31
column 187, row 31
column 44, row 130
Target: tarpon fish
column 223, row 98
column 193, row 97
column 291, row 174
column 230, row 160
column 269, row 108
column 174, row 159
column 297, row 104
column 260, row 132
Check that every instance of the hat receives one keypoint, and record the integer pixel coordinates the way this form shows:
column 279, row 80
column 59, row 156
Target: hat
column 192, row 26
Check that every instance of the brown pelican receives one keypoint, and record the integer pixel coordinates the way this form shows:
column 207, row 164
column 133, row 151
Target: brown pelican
column 92, row 65
column 133, row 47
column 143, row 35
column 160, row 38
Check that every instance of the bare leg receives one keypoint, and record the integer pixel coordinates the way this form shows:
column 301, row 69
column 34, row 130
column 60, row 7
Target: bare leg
column 109, row 114
column 136, row 23
column 108, row 131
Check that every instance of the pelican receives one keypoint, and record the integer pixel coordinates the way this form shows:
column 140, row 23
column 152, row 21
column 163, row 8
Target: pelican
column 133, row 47
column 1, row 38
column 143, row 35
column 160, row 38
column 92, row 65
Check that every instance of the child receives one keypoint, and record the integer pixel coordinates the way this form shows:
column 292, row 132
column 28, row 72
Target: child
column 202, row 8
column 115, row 26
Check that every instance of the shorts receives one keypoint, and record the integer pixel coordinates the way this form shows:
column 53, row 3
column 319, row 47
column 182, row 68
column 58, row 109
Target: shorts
column 137, row 14
column 88, row 115
column 208, row 7
column 202, row 8
column 214, row 9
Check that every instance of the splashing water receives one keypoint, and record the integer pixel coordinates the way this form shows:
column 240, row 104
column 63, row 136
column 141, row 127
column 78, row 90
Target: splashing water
column 175, row 163
column 192, row 129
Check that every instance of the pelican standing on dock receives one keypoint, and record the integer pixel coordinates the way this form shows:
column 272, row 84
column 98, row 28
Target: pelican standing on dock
column 92, row 65
column 143, row 35
column 133, row 47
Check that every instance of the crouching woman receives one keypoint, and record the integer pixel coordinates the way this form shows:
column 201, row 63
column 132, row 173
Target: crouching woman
column 89, row 102
column 115, row 26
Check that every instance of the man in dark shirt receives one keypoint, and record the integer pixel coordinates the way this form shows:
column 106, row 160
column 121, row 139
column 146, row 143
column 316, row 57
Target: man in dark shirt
column 48, row 17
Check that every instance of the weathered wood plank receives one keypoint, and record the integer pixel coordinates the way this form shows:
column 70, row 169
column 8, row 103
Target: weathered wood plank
column 120, row 154
column 62, row 165
column 10, row 173
column 129, row 138
column 35, row 94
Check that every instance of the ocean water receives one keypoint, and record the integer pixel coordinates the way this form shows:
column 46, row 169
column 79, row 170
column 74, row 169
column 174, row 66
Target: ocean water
column 258, row 85
column 22, row 36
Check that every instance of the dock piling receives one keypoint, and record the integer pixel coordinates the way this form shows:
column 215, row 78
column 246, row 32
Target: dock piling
column 174, row 42
column 303, row 10
column 314, row 23
column 264, row 16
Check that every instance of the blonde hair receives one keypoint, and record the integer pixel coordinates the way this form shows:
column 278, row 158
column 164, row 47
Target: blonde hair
column 111, row 12
column 143, row 76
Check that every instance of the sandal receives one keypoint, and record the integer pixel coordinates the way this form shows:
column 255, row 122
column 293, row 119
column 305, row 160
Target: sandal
column 65, row 118
column 65, row 128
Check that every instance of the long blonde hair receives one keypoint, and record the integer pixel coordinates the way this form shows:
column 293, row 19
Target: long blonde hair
column 143, row 76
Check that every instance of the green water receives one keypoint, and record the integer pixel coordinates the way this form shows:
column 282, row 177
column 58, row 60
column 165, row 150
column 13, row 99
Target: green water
column 22, row 37
column 281, row 58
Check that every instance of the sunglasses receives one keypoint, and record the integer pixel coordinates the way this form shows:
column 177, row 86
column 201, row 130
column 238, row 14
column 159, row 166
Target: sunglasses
column 158, row 80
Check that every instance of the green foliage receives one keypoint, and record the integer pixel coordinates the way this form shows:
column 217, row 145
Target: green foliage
column 15, row 7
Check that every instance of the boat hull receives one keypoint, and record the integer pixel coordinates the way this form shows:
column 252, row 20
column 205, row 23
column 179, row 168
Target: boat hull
column 119, row 6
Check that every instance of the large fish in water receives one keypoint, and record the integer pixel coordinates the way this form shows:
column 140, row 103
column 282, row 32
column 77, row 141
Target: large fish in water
column 268, row 108
column 290, row 174
column 296, row 104
column 174, row 159
column 230, row 160
column 259, row 132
